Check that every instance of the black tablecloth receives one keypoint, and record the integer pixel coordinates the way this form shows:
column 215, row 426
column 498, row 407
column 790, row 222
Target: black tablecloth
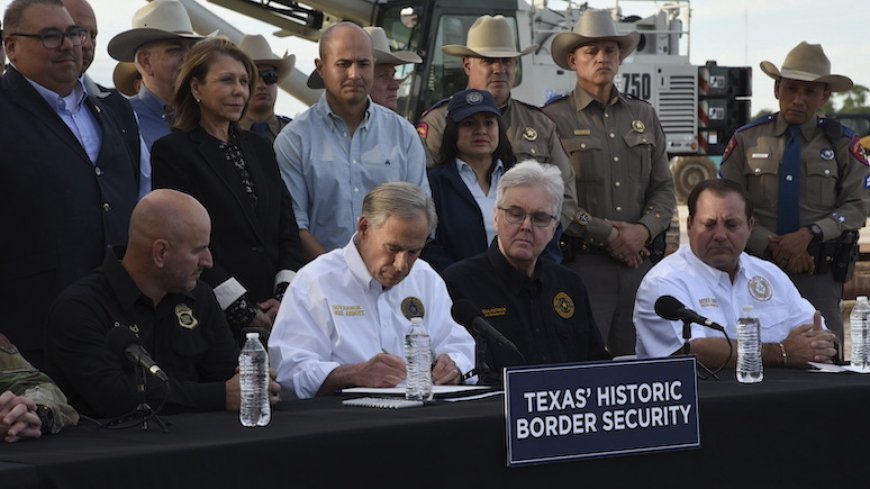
column 795, row 429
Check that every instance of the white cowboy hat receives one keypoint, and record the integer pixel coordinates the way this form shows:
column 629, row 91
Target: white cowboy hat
column 593, row 26
column 157, row 21
column 124, row 76
column 489, row 37
column 807, row 62
column 257, row 48
column 383, row 55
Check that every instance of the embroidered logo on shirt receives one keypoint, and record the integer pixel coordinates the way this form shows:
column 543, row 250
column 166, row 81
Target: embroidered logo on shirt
column 348, row 311
column 564, row 305
column 185, row 316
column 760, row 289
column 708, row 302
column 412, row 307
column 494, row 312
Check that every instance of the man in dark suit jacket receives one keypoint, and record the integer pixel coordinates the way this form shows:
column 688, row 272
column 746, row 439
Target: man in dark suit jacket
column 69, row 182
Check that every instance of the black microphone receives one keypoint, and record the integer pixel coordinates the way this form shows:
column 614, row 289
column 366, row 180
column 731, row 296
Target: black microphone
column 467, row 314
column 670, row 308
column 123, row 342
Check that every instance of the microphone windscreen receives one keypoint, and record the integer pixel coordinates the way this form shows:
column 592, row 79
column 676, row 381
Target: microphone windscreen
column 464, row 311
column 668, row 307
column 119, row 338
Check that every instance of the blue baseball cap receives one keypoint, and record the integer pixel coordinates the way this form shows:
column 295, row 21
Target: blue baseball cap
column 469, row 102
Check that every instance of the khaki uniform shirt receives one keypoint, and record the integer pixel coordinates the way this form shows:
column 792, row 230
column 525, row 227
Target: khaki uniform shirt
column 532, row 136
column 275, row 123
column 18, row 376
column 833, row 183
column 620, row 162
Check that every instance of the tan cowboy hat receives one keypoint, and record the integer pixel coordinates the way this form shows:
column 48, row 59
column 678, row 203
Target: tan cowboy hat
column 383, row 55
column 593, row 26
column 157, row 21
column 257, row 48
column 489, row 37
column 124, row 76
column 807, row 62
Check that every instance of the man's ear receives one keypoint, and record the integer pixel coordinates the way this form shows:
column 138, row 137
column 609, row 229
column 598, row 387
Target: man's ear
column 159, row 249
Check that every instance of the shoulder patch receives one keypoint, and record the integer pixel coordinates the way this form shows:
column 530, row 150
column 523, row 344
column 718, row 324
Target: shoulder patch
column 553, row 100
column 732, row 143
column 858, row 151
column 422, row 129
column 437, row 104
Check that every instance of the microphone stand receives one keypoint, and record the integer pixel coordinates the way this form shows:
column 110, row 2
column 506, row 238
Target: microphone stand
column 143, row 411
column 687, row 350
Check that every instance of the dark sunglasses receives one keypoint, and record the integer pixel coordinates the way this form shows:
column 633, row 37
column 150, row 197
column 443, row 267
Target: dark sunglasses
column 269, row 77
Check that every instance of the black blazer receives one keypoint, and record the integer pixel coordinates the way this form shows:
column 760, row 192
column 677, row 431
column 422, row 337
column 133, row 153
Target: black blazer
column 247, row 243
column 59, row 209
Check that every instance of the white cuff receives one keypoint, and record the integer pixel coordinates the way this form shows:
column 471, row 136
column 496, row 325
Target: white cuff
column 284, row 276
column 228, row 292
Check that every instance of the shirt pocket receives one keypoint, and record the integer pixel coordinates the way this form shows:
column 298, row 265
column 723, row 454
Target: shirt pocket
column 524, row 149
column 820, row 188
column 586, row 158
column 640, row 148
column 762, row 180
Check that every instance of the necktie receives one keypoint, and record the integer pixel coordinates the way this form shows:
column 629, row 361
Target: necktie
column 788, row 208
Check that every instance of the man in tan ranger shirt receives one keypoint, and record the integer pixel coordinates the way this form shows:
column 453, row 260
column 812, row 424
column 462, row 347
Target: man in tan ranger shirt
column 490, row 60
column 809, row 206
column 624, row 186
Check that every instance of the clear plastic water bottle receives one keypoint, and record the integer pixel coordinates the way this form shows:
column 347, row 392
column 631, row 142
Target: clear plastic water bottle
column 859, row 325
column 418, row 362
column 254, row 379
column 749, row 368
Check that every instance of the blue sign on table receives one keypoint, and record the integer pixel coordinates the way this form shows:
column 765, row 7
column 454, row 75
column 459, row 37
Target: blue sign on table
column 566, row 412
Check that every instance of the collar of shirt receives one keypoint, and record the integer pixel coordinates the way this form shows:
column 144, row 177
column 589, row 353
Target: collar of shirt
column 514, row 279
column 92, row 89
column 151, row 100
column 807, row 128
column 466, row 172
column 325, row 111
column 582, row 98
column 72, row 102
column 713, row 275
column 358, row 267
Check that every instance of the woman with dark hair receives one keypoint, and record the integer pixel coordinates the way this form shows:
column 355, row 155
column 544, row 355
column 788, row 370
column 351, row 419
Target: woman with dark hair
column 234, row 174
column 475, row 152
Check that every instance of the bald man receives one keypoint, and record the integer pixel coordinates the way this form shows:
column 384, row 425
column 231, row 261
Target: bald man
column 344, row 146
column 153, row 290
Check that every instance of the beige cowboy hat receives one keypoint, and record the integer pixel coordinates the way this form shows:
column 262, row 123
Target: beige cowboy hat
column 489, row 37
column 383, row 55
column 807, row 62
column 257, row 48
column 124, row 76
column 157, row 21
column 593, row 26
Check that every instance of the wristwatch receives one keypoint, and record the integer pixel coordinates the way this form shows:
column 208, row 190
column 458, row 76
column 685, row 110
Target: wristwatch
column 816, row 231
column 46, row 416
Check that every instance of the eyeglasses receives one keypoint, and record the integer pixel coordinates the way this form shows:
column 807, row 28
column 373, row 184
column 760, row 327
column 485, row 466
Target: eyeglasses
column 53, row 39
column 269, row 77
column 515, row 215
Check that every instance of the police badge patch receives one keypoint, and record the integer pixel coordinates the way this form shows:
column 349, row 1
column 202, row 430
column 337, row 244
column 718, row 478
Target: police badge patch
column 412, row 307
column 564, row 305
column 185, row 316
column 759, row 288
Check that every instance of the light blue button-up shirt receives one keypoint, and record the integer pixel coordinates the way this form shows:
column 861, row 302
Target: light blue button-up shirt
column 486, row 202
column 151, row 112
column 329, row 172
column 75, row 114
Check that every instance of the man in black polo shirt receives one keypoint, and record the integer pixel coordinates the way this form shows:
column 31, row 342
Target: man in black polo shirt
column 154, row 290
column 541, row 307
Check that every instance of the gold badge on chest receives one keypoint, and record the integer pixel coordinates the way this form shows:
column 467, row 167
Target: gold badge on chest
column 530, row 134
column 638, row 125
column 185, row 316
column 564, row 305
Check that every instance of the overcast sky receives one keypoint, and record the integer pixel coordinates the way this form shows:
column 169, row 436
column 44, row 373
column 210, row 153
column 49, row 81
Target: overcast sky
column 732, row 32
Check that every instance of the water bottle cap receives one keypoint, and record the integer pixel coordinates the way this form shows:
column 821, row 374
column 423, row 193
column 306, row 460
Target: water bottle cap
column 862, row 298
column 416, row 320
column 747, row 309
column 252, row 336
